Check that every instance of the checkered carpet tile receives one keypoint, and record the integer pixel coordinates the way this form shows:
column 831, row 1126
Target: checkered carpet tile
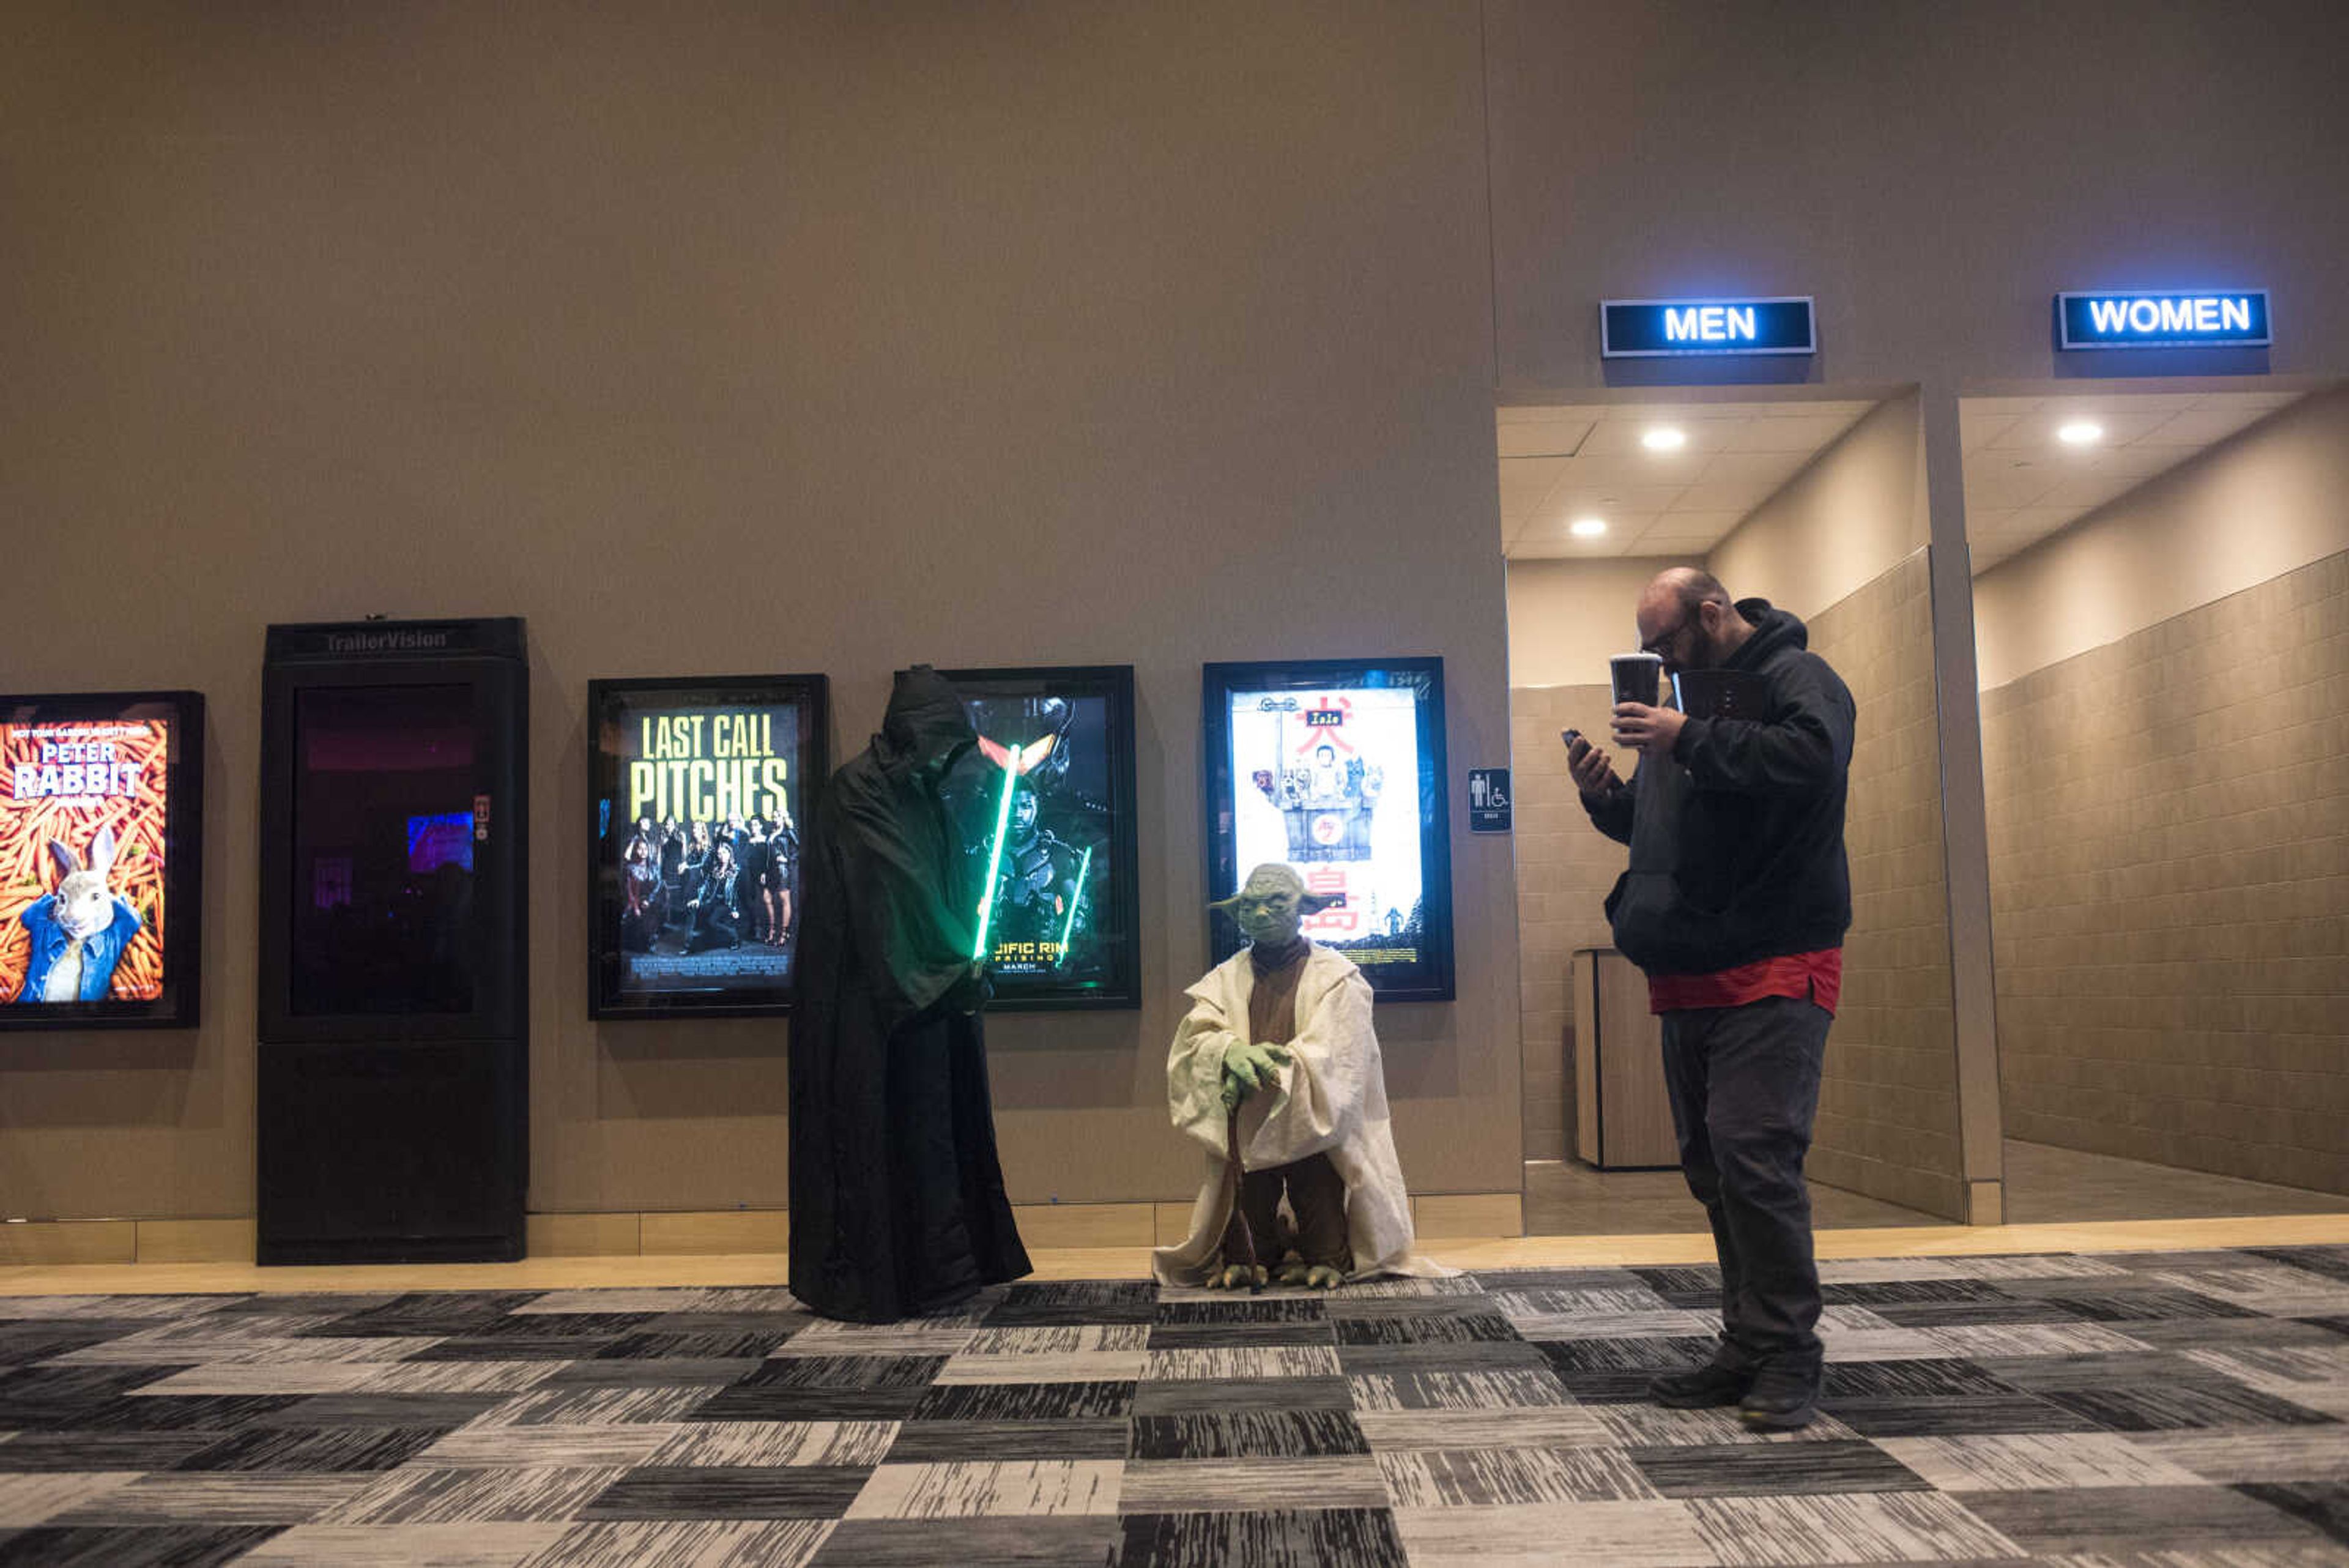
column 2173, row 1411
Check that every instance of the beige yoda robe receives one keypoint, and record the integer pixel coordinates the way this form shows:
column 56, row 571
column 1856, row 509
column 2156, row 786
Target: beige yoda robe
column 1331, row 1097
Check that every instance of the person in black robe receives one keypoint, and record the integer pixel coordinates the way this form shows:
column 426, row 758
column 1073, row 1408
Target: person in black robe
column 896, row 1196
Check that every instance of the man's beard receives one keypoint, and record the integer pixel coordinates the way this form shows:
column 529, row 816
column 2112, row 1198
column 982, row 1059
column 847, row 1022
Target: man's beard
column 1704, row 653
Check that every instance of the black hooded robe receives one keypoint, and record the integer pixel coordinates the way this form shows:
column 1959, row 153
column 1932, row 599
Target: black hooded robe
column 898, row 1201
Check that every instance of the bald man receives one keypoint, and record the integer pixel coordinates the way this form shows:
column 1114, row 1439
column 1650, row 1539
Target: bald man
column 1735, row 906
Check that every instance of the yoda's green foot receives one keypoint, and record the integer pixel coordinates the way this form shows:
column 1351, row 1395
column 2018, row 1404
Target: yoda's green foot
column 1296, row 1273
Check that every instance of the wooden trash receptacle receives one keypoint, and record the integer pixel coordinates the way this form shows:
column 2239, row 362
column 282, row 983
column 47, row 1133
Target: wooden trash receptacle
column 1623, row 1118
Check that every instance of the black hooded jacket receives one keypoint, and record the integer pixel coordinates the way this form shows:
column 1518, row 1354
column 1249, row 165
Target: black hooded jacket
column 898, row 1201
column 1737, row 841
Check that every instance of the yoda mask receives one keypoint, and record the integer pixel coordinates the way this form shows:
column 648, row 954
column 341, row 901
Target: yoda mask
column 1270, row 912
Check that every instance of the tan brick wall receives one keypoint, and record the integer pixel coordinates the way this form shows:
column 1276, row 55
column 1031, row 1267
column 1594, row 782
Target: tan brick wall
column 1565, row 868
column 2170, row 869
column 1889, row 1105
column 1889, row 1112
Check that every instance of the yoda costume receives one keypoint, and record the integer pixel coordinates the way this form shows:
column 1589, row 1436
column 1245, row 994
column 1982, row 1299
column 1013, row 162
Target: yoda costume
column 1277, row 1051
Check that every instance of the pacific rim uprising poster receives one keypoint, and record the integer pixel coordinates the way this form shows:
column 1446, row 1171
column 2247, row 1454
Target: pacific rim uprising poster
column 698, row 834
column 1040, row 806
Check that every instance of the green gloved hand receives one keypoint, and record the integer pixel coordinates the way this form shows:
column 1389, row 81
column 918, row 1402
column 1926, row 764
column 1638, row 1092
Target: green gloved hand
column 1248, row 1067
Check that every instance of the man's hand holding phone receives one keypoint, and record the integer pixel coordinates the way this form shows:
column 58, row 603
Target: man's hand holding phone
column 1593, row 773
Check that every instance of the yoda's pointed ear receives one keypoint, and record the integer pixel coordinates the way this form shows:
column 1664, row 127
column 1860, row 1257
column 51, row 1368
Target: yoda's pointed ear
column 1314, row 903
column 1230, row 906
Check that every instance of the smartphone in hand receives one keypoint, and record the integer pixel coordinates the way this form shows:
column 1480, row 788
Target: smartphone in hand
column 1578, row 751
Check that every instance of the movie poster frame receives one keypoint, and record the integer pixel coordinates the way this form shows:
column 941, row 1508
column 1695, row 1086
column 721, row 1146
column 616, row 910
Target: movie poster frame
column 812, row 694
column 1220, row 839
column 181, row 1004
column 1113, row 682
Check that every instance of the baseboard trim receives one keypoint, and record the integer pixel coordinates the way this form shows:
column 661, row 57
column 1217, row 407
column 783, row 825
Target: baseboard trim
column 631, row 1233
column 46, row 1241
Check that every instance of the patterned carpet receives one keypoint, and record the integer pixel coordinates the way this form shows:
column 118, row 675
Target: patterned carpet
column 2173, row 1409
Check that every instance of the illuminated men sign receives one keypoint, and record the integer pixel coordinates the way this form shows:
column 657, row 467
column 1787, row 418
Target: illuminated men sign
column 1646, row 329
column 2181, row 319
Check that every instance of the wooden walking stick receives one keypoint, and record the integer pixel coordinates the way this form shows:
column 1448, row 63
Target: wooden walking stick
column 1239, row 1242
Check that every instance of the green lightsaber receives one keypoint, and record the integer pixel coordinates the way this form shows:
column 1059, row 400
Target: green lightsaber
column 1070, row 924
column 995, row 860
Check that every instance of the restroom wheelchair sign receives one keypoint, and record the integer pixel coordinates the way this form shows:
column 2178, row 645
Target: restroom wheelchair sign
column 1650, row 328
column 2184, row 318
column 1489, row 809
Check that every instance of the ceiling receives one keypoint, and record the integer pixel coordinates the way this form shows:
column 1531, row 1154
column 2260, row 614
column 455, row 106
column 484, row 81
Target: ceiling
column 2022, row 484
column 1566, row 462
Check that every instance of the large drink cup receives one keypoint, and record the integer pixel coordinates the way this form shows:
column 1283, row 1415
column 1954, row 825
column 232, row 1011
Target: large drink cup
column 1638, row 678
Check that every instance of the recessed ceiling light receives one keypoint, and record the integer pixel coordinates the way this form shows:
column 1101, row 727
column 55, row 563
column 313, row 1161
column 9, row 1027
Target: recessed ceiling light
column 1588, row 527
column 2080, row 433
column 1664, row 437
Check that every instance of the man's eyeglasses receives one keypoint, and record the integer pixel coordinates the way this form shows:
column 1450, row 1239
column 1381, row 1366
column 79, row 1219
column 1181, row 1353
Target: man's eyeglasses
column 1661, row 645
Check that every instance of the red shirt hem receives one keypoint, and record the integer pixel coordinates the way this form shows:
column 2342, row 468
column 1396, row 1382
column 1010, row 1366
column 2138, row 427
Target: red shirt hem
column 1811, row 977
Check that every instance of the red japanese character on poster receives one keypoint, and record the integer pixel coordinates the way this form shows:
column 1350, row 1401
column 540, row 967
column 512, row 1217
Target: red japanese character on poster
column 1343, row 918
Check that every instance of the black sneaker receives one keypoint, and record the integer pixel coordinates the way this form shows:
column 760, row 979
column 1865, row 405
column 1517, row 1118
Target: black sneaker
column 1785, row 1395
column 1701, row 1388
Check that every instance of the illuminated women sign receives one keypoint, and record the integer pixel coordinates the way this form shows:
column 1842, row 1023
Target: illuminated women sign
column 1645, row 328
column 2178, row 319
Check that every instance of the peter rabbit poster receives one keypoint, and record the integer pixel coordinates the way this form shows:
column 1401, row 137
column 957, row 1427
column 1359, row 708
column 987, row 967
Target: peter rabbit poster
column 96, row 852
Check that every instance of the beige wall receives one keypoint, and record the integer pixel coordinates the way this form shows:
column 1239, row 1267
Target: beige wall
column 1565, row 868
column 1889, row 1115
column 1843, row 522
column 2162, row 738
column 1842, row 545
column 780, row 338
column 2169, row 857
column 1932, row 173
column 1567, row 618
column 2260, row 505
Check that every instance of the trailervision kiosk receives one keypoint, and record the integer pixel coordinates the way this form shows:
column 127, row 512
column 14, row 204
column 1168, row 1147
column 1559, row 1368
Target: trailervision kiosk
column 393, row 1054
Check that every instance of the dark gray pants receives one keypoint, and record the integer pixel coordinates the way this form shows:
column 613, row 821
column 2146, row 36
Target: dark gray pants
column 1744, row 1085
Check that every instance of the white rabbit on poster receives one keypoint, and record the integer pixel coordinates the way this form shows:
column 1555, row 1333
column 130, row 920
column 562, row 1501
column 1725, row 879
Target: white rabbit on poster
column 79, row 930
